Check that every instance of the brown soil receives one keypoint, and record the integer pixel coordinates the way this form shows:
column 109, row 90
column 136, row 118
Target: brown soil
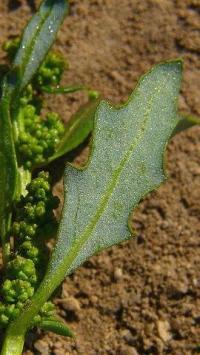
column 141, row 297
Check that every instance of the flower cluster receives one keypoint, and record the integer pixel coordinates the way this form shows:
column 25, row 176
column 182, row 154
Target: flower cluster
column 34, row 216
column 39, row 137
column 51, row 70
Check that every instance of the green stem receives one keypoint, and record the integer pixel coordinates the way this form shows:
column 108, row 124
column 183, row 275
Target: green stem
column 5, row 228
column 13, row 345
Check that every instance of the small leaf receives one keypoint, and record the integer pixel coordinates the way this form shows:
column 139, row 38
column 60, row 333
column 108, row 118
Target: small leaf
column 185, row 121
column 38, row 37
column 57, row 327
column 126, row 163
column 78, row 128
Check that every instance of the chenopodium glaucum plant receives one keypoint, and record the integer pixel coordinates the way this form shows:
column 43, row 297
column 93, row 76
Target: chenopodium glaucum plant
column 125, row 164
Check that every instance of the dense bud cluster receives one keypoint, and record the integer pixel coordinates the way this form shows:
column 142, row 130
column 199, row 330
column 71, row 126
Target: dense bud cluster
column 51, row 70
column 47, row 311
column 16, row 290
column 22, row 269
column 8, row 312
column 27, row 96
column 34, row 213
column 11, row 46
column 39, row 137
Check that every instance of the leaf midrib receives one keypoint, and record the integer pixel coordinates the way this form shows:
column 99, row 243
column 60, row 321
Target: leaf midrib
column 32, row 43
column 82, row 239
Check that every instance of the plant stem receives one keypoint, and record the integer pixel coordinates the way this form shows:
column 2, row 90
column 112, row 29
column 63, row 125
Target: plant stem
column 5, row 228
column 13, row 345
column 14, row 338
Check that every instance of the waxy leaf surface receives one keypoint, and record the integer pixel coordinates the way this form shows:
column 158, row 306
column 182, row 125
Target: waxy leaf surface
column 125, row 164
column 38, row 37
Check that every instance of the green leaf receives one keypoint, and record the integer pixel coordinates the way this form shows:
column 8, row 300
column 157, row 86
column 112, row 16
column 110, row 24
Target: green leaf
column 78, row 128
column 126, row 163
column 56, row 326
column 185, row 121
column 38, row 37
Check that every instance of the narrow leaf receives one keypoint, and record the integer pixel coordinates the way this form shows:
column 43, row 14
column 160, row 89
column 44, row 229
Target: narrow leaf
column 56, row 326
column 78, row 128
column 185, row 121
column 126, row 163
column 38, row 37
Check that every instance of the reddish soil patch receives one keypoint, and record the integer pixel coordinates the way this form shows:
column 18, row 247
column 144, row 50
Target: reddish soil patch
column 141, row 297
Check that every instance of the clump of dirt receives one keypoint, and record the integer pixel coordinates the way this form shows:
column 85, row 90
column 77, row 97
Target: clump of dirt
column 141, row 297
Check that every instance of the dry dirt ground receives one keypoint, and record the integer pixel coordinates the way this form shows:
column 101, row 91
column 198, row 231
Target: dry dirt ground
column 141, row 297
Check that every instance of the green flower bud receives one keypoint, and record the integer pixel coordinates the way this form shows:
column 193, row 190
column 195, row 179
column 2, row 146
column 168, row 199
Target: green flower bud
column 28, row 250
column 22, row 269
column 3, row 320
column 40, row 209
column 11, row 47
column 40, row 194
column 50, row 71
column 16, row 290
column 16, row 228
column 36, row 320
column 29, row 210
column 12, row 311
column 47, row 310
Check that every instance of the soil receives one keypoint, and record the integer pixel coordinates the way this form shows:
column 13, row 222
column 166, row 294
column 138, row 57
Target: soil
column 141, row 297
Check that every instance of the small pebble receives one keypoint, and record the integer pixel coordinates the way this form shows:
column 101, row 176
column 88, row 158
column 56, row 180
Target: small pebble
column 42, row 347
column 163, row 328
column 127, row 350
column 72, row 306
column 93, row 299
column 128, row 337
column 118, row 274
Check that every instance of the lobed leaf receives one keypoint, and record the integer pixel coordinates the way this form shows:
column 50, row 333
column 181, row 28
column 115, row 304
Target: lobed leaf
column 126, row 163
column 38, row 37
